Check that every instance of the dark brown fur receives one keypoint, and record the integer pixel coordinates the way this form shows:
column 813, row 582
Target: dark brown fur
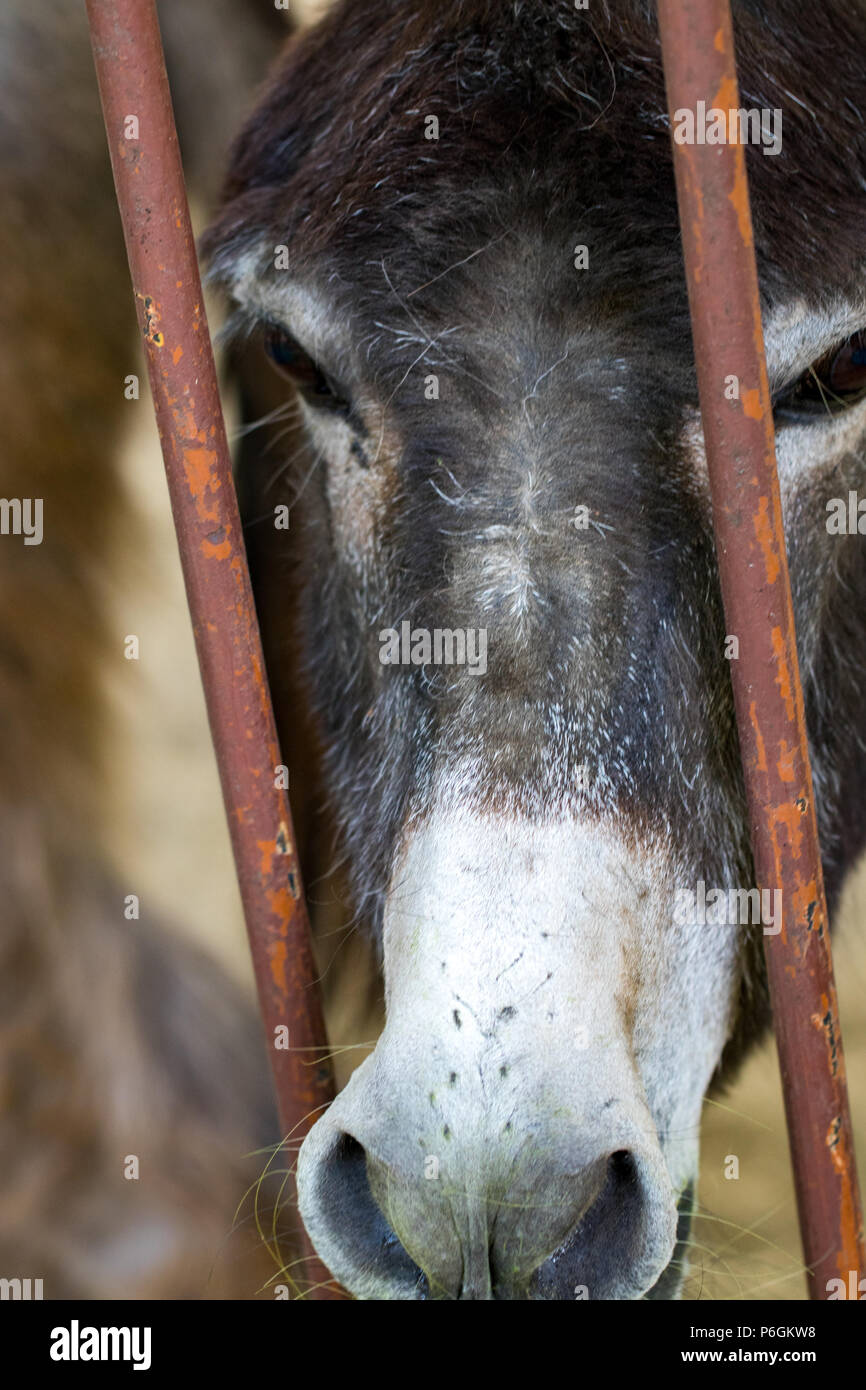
column 456, row 253
column 538, row 102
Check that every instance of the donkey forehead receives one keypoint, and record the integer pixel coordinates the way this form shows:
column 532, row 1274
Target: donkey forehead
column 546, row 486
column 529, row 435
column 463, row 250
column 537, row 323
column 509, row 406
column 547, row 112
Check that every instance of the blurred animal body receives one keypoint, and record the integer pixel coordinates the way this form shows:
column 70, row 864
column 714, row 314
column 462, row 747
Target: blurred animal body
column 117, row 1040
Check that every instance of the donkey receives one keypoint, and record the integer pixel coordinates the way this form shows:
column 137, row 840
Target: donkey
column 118, row 1039
column 453, row 228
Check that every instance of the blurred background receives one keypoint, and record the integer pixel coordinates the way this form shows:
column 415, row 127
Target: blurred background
column 160, row 821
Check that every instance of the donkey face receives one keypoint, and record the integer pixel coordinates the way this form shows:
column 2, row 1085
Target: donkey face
column 456, row 227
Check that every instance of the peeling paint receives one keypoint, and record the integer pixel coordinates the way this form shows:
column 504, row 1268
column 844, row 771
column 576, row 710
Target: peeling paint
column 761, row 759
column 752, row 406
column 785, row 764
column 783, row 676
column 767, row 541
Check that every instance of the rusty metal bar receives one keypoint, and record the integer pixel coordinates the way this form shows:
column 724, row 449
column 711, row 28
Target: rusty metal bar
column 715, row 218
column 148, row 176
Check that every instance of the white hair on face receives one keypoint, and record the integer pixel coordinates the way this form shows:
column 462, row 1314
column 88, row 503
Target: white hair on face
column 797, row 334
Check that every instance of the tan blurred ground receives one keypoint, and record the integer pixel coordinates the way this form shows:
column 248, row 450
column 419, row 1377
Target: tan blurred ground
column 750, row 1226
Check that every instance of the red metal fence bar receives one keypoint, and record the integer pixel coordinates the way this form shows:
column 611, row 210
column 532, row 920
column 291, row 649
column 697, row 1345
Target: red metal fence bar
column 150, row 189
column 715, row 217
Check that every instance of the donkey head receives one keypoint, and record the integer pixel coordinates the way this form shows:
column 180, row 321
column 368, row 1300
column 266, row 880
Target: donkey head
column 455, row 225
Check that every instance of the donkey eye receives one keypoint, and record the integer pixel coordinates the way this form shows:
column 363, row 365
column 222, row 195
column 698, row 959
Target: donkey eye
column 832, row 384
column 293, row 362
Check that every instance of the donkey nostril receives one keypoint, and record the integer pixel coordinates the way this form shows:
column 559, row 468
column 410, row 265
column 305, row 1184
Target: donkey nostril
column 621, row 1243
column 349, row 1152
column 621, row 1167
column 348, row 1227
